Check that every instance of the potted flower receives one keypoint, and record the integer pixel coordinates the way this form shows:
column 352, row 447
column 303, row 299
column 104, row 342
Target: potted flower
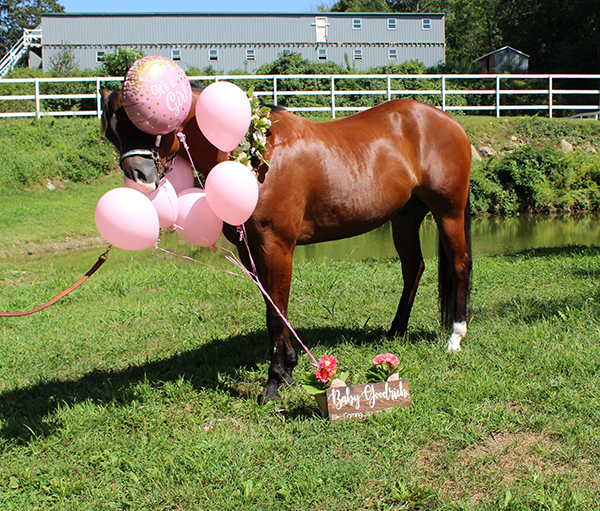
column 383, row 367
column 317, row 382
column 386, row 367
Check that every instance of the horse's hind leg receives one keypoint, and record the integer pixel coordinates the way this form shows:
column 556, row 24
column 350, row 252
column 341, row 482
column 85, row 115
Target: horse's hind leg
column 405, row 231
column 455, row 273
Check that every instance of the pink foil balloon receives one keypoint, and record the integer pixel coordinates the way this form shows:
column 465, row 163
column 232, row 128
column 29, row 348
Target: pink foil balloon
column 196, row 222
column 164, row 200
column 127, row 219
column 232, row 192
column 181, row 176
column 157, row 95
column 223, row 114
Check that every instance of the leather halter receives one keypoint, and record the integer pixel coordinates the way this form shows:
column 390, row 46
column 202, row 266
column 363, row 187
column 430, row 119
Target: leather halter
column 162, row 168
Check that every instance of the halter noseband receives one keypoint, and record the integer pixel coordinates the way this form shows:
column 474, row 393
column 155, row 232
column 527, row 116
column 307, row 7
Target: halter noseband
column 162, row 168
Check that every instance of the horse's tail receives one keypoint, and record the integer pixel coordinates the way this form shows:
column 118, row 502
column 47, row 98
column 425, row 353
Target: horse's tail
column 446, row 285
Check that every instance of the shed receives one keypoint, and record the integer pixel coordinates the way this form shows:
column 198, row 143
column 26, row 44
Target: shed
column 505, row 59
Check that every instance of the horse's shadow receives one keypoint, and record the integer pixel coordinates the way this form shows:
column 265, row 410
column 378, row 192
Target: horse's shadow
column 30, row 412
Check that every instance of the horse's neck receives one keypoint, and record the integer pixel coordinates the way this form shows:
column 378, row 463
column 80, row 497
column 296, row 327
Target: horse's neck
column 203, row 154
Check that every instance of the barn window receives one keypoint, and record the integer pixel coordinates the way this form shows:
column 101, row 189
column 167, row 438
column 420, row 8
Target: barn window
column 99, row 56
column 393, row 54
column 213, row 55
column 357, row 54
column 250, row 54
column 176, row 55
column 356, row 24
column 391, row 23
column 426, row 24
column 287, row 53
column 322, row 53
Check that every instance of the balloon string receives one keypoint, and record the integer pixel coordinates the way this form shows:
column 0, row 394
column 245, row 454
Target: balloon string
column 181, row 137
column 210, row 425
column 252, row 276
column 241, row 229
column 194, row 260
column 233, row 259
column 230, row 256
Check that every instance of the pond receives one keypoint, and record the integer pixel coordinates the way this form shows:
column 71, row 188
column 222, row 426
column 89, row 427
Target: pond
column 491, row 235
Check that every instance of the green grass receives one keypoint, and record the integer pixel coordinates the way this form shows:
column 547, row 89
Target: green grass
column 32, row 219
column 122, row 395
column 107, row 399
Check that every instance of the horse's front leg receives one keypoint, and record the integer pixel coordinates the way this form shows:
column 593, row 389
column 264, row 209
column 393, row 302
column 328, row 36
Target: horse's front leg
column 276, row 277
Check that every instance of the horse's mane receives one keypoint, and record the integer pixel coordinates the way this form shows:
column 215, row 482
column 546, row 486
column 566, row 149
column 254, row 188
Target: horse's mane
column 274, row 108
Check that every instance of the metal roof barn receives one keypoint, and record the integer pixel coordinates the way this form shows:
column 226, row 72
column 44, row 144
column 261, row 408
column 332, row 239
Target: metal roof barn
column 246, row 41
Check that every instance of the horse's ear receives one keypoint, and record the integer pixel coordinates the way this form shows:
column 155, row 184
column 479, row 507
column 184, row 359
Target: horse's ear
column 104, row 93
column 127, row 65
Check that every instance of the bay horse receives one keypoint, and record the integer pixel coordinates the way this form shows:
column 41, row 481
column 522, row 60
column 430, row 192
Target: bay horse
column 330, row 180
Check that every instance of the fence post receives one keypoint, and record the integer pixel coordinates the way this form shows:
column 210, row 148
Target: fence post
column 550, row 97
column 389, row 87
column 332, row 97
column 98, row 98
column 37, row 98
column 497, row 96
column 444, row 93
column 275, row 90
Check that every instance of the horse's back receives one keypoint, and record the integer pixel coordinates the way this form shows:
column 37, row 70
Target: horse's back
column 350, row 175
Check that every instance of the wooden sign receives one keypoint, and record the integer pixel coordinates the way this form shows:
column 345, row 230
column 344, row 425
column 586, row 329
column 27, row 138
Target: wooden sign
column 360, row 401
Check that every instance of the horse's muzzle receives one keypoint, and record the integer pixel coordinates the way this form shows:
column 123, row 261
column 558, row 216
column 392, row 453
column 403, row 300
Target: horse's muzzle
column 141, row 168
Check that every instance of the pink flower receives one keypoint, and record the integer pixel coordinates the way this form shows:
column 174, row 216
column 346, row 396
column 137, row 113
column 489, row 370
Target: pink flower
column 387, row 358
column 327, row 366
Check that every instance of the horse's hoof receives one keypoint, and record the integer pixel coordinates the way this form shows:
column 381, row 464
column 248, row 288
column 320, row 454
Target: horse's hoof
column 288, row 379
column 269, row 393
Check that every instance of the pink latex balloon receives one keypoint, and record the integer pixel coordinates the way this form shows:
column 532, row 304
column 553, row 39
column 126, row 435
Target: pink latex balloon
column 232, row 192
column 157, row 94
column 164, row 200
column 181, row 176
column 127, row 219
column 223, row 114
column 196, row 222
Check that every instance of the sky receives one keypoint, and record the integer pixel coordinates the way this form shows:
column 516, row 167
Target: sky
column 200, row 6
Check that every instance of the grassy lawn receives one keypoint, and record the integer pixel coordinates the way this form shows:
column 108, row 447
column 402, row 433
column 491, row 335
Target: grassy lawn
column 138, row 391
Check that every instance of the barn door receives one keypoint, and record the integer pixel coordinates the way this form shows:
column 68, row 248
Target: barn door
column 321, row 24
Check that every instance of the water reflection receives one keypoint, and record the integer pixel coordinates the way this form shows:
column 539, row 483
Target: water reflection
column 492, row 235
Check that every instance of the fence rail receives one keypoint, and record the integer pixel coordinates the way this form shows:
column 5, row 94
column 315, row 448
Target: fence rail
column 547, row 94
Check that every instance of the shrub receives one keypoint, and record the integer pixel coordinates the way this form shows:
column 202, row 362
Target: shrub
column 535, row 180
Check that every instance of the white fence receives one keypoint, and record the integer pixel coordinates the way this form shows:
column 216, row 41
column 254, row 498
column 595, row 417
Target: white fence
column 547, row 94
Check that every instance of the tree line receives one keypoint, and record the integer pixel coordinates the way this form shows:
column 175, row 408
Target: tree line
column 559, row 36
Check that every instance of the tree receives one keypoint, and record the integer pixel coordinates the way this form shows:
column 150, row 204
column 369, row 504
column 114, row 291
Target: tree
column 16, row 15
column 559, row 37
column 362, row 6
column 472, row 29
column 117, row 63
column 63, row 64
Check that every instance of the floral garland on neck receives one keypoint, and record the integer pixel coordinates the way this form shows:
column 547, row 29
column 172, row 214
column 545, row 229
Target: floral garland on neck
column 255, row 141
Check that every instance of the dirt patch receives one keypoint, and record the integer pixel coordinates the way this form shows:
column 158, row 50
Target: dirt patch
column 479, row 473
column 42, row 249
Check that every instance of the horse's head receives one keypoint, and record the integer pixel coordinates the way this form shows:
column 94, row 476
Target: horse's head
column 144, row 157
